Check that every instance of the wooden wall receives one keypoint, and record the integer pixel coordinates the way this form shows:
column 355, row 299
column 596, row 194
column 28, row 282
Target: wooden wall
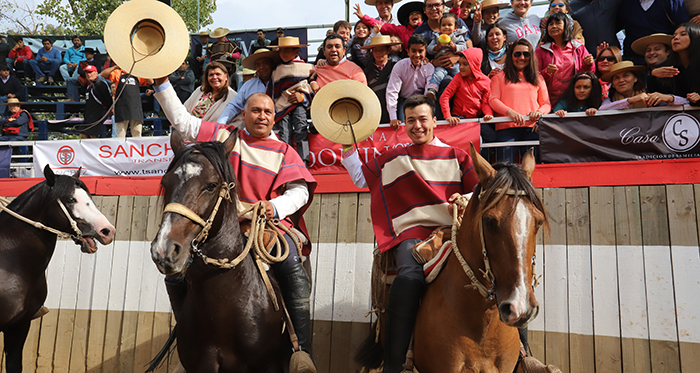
column 620, row 266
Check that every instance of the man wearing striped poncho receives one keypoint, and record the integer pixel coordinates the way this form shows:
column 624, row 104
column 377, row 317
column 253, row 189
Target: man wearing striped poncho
column 411, row 189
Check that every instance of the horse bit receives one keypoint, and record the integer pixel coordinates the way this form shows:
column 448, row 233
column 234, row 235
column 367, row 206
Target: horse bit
column 62, row 235
column 487, row 293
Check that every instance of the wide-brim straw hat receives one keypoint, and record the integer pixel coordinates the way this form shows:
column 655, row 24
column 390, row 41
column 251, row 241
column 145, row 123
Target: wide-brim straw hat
column 290, row 42
column 219, row 32
column 148, row 35
column 204, row 33
column 249, row 62
column 13, row 101
column 492, row 3
column 246, row 71
column 381, row 41
column 407, row 9
column 640, row 45
column 621, row 67
column 374, row 2
column 344, row 107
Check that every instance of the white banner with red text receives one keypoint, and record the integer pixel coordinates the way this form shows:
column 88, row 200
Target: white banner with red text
column 326, row 155
column 132, row 156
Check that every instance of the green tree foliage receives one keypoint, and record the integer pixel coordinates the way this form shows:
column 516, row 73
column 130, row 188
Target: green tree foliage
column 88, row 17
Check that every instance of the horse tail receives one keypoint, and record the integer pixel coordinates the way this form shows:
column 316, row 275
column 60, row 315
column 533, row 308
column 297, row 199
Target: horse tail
column 164, row 352
column 370, row 354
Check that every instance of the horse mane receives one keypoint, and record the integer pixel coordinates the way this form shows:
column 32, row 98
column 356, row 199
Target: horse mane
column 508, row 177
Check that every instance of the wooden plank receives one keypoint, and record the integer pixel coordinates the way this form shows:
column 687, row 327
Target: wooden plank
column 66, row 312
column 606, row 311
column 686, row 271
column 661, row 306
column 127, row 347
column 100, row 292
column 311, row 218
column 634, row 323
column 556, row 321
column 324, row 282
column 536, row 335
column 31, row 345
column 117, row 288
column 49, row 323
column 161, row 321
column 343, row 294
column 582, row 350
column 364, row 238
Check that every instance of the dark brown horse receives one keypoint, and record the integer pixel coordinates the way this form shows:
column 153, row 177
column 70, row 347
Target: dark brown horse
column 458, row 327
column 227, row 321
column 25, row 251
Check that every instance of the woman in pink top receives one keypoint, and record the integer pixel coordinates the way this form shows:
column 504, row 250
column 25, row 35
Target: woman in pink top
column 518, row 91
column 561, row 56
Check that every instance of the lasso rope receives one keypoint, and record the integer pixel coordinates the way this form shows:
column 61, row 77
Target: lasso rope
column 63, row 235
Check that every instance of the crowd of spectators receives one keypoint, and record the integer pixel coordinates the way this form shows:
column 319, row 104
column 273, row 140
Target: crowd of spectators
column 474, row 59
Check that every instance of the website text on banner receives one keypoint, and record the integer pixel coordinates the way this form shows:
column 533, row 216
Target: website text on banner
column 631, row 135
column 133, row 156
column 325, row 155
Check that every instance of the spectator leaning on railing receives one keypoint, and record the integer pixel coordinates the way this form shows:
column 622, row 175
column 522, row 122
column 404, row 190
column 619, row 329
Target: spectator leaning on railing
column 16, row 123
column 627, row 91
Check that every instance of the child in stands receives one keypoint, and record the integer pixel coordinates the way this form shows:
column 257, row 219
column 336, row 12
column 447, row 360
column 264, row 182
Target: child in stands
column 471, row 90
column 582, row 95
column 457, row 43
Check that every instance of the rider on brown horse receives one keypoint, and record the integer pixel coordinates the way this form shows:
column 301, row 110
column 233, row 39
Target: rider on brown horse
column 287, row 190
column 412, row 190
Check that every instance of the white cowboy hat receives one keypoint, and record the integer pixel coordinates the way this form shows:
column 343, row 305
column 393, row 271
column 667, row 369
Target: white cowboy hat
column 380, row 41
column 342, row 105
column 148, row 35
column 219, row 32
column 374, row 2
column 249, row 62
column 492, row 3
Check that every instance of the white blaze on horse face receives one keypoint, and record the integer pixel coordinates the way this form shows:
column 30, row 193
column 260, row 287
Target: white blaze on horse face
column 163, row 234
column 85, row 209
column 188, row 171
column 521, row 220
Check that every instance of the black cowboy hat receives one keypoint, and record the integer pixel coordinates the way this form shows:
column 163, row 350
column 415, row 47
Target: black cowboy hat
column 409, row 8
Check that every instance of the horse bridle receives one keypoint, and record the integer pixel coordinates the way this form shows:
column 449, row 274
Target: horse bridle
column 486, row 273
column 60, row 234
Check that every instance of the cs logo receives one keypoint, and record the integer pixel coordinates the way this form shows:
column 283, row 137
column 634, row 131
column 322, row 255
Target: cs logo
column 681, row 132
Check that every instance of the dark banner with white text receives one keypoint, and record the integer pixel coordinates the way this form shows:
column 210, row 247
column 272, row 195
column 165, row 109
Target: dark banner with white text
column 636, row 135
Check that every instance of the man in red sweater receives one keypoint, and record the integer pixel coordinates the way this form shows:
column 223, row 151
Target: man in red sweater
column 18, row 55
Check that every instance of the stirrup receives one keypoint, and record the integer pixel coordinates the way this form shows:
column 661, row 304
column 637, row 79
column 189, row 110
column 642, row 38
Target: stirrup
column 40, row 312
column 301, row 362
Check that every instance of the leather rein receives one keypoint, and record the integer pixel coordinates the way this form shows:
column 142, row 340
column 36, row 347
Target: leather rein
column 488, row 293
column 62, row 235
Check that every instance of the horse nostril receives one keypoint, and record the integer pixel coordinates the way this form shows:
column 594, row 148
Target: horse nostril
column 175, row 252
column 105, row 232
column 505, row 309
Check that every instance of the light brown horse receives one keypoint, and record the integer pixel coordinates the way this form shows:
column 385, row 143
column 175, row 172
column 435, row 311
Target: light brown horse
column 462, row 329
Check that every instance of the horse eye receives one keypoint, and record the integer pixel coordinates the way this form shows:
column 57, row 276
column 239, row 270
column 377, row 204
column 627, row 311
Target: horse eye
column 491, row 222
column 211, row 187
column 72, row 200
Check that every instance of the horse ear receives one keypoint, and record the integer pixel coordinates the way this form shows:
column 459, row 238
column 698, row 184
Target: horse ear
column 529, row 163
column 49, row 175
column 231, row 141
column 176, row 141
column 482, row 167
column 77, row 173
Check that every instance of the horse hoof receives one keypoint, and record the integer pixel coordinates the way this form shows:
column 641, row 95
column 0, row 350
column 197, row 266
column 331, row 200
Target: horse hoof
column 530, row 364
column 301, row 362
column 41, row 312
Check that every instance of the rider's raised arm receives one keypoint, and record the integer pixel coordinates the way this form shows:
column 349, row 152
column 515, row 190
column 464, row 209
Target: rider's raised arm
column 176, row 112
column 352, row 163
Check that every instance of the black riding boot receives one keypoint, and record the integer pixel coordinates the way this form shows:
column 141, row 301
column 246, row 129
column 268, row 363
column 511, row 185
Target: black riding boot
column 404, row 299
column 177, row 290
column 296, row 290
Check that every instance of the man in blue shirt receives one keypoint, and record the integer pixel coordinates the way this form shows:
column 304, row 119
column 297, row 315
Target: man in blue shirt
column 72, row 59
column 263, row 61
column 46, row 63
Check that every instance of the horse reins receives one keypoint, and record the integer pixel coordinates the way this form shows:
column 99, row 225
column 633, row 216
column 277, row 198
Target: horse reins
column 487, row 273
column 255, row 240
column 63, row 235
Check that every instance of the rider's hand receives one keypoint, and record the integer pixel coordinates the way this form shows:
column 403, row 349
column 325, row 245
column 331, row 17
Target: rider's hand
column 269, row 210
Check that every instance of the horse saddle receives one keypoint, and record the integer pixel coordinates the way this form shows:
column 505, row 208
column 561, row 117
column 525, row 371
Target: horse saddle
column 269, row 236
column 433, row 252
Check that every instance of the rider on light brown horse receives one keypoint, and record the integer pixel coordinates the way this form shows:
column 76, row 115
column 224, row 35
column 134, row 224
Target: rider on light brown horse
column 286, row 188
column 412, row 190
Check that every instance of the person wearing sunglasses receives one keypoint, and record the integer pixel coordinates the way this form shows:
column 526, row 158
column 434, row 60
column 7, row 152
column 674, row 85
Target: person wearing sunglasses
column 562, row 6
column 606, row 56
column 560, row 56
column 520, row 93
column 521, row 24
